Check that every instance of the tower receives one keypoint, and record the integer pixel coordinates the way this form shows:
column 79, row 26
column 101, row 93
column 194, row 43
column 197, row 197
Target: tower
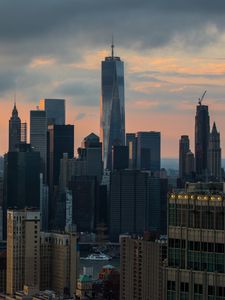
column 112, row 123
column 214, row 155
column 14, row 130
column 183, row 150
column 201, row 140
column 38, row 137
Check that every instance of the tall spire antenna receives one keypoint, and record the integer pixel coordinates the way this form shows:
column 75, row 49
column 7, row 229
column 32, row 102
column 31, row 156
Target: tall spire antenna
column 112, row 46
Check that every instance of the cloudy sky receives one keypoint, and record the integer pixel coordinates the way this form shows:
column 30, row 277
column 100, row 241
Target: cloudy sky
column 173, row 51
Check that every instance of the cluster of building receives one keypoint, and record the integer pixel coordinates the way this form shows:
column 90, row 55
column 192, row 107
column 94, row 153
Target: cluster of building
column 112, row 190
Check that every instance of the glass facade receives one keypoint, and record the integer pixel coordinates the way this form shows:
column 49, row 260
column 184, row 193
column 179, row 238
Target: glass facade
column 112, row 107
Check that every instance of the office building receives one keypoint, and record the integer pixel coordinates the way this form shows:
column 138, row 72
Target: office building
column 22, row 178
column 55, row 111
column 44, row 204
column 23, row 250
column 196, row 245
column 14, row 130
column 214, row 155
column 38, row 137
column 85, row 191
column 23, row 138
column 137, row 202
column 148, row 151
column 131, row 143
column 202, row 129
column 184, row 148
column 59, row 263
column 112, row 124
column 120, row 157
column 189, row 165
column 141, row 275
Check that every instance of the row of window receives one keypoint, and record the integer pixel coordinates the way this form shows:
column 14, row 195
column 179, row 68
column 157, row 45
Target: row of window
column 196, row 246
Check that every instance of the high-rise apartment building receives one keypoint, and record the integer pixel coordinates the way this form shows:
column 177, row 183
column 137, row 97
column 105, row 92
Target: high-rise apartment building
column 202, row 129
column 141, row 261
column 38, row 136
column 148, row 150
column 196, row 244
column 184, row 148
column 14, row 130
column 55, row 110
column 112, row 124
column 23, row 250
column 214, row 155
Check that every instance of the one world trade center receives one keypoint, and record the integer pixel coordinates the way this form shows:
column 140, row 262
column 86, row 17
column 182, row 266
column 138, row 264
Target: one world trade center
column 112, row 106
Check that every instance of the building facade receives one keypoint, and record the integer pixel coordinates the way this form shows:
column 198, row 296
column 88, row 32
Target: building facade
column 112, row 124
column 23, row 250
column 55, row 111
column 196, row 244
column 14, row 130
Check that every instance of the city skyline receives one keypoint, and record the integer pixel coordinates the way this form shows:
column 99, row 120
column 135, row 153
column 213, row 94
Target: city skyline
column 167, row 67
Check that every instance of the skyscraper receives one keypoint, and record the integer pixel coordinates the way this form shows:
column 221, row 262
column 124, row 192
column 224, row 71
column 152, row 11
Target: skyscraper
column 112, row 124
column 148, row 150
column 38, row 136
column 201, row 140
column 14, row 130
column 214, row 155
column 184, row 147
column 55, row 110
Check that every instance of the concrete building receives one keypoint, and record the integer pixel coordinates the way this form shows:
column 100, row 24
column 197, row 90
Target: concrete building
column 23, row 250
column 141, row 275
column 59, row 263
column 196, row 244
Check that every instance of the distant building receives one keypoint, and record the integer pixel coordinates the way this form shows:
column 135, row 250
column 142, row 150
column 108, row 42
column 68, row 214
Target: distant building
column 38, row 137
column 23, row 250
column 120, row 157
column 189, row 164
column 137, row 203
column 112, row 124
column 202, row 129
column 131, row 143
column 148, row 151
column 141, row 274
column 214, row 155
column 184, row 148
column 55, row 110
column 3, row 253
column 14, row 130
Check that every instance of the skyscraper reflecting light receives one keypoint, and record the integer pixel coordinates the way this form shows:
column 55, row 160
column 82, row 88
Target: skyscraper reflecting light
column 112, row 106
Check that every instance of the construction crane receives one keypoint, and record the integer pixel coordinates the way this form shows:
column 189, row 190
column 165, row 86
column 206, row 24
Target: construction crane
column 201, row 99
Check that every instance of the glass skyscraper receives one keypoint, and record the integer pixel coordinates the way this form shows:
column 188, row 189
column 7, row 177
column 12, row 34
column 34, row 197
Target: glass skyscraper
column 112, row 107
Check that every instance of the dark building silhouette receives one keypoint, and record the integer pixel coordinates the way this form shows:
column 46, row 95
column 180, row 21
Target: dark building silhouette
column 214, row 155
column 14, row 130
column 38, row 137
column 22, row 179
column 184, row 148
column 202, row 129
column 137, row 203
column 85, row 192
column 131, row 143
column 112, row 123
column 55, row 111
column 120, row 157
column 60, row 141
column 148, row 150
